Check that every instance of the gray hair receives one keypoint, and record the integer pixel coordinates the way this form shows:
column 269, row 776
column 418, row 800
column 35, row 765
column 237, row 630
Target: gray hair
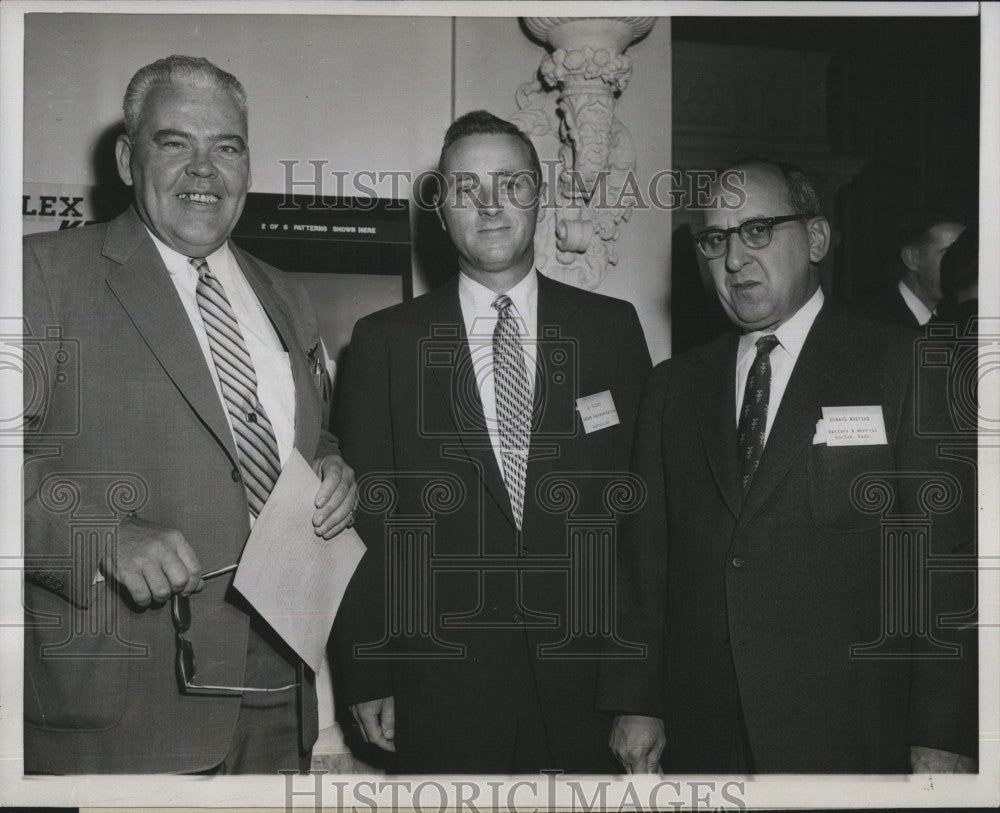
column 189, row 71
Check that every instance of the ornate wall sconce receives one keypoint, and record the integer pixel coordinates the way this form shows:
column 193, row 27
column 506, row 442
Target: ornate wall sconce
column 575, row 241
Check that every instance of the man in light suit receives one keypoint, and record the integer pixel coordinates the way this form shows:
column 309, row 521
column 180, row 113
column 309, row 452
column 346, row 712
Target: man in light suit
column 460, row 407
column 173, row 381
column 754, row 573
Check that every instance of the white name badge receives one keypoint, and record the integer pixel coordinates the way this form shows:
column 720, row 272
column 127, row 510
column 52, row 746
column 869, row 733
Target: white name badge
column 854, row 426
column 597, row 411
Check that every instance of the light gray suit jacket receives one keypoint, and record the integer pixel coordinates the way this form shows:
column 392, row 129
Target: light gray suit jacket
column 122, row 414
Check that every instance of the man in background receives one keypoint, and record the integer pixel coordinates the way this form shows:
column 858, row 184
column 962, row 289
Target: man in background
column 194, row 385
column 472, row 390
column 913, row 301
column 754, row 573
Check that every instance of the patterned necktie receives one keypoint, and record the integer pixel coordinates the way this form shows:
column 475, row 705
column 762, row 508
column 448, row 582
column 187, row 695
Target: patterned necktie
column 513, row 402
column 254, row 435
column 753, row 417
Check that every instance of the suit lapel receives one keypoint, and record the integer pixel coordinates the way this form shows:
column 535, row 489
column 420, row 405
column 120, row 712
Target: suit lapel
column 459, row 393
column 813, row 383
column 554, row 408
column 714, row 393
column 142, row 285
column 307, row 407
column 901, row 312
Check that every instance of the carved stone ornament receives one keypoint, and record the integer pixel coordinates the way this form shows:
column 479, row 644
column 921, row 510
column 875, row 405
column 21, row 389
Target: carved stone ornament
column 575, row 240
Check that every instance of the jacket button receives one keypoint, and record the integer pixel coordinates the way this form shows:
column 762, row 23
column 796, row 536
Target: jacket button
column 738, row 561
column 517, row 618
column 524, row 551
column 236, row 475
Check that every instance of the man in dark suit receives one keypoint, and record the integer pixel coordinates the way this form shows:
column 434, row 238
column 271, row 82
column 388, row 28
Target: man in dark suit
column 786, row 485
column 168, row 379
column 913, row 300
column 482, row 492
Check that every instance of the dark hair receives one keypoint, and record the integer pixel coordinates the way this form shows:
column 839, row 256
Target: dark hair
column 190, row 71
column 801, row 191
column 960, row 262
column 918, row 224
column 482, row 122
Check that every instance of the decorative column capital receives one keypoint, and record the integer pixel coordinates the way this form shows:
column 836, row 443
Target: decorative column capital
column 588, row 69
column 610, row 33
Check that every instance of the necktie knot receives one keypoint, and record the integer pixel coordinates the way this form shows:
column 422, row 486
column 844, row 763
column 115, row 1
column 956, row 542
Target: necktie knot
column 199, row 264
column 502, row 304
column 765, row 344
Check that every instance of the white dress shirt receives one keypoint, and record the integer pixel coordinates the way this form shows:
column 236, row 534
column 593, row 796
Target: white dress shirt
column 919, row 310
column 275, row 387
column 791, row 336
column 480, row 319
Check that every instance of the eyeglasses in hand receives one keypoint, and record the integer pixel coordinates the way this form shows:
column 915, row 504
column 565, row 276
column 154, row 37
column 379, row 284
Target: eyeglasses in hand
column 180, row 613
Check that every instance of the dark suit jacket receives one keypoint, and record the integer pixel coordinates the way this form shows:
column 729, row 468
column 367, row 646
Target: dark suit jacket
column 761, row 600
column 122, row 414
column 888, row 306
column 412, row 412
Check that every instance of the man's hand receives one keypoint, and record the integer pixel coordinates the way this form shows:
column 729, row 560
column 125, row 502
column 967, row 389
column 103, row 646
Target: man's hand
column 152, row 562
column 337, row 496
column 377, row 721
column 637, row 742
column 933, row 760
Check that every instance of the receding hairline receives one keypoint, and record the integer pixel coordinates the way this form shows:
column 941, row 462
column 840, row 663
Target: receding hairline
column 525, row 151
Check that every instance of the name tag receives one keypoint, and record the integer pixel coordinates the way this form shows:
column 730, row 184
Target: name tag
column 854, row 426
column 597, row 411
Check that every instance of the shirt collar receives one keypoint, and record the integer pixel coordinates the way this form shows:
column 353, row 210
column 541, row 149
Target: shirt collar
column 917, row 308
column 177, row 263
column 793, row 331
column 481, row 298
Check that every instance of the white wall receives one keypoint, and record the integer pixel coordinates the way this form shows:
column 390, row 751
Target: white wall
column 363, row 93
column 493, row 58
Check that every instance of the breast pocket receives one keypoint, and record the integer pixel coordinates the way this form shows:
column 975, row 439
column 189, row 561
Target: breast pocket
column 833, row 472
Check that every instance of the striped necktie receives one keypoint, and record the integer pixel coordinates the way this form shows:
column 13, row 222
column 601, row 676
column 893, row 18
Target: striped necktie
column 254, row 435
column 752, row 427
column 513, row 402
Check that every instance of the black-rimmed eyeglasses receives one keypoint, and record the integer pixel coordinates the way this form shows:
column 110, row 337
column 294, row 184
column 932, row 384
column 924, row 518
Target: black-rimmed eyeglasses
column 754, row 234
column 180, row 613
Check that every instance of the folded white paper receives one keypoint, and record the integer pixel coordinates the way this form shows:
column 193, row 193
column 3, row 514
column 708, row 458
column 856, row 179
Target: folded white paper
column 292, row 577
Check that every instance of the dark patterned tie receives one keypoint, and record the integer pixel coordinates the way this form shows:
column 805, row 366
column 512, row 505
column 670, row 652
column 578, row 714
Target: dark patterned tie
column 513, row 402
column 255, row 441
column 753, row 416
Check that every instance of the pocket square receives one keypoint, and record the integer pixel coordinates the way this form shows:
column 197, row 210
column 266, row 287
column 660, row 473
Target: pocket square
column 820, row 436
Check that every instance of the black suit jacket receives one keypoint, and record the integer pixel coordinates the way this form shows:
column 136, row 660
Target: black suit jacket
column 888, row 306
column 761, row 600
column 419, row 445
